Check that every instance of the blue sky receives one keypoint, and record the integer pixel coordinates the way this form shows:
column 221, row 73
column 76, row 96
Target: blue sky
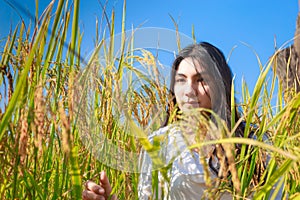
column 226, row 24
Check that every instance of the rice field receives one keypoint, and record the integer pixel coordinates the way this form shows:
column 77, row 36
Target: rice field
column 65, row 119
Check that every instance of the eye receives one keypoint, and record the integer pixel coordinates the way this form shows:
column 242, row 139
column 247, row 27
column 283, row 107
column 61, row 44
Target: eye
column 200, row 79
column 180, row 80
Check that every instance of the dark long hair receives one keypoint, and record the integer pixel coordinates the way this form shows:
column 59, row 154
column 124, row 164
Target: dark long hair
column 219, row 78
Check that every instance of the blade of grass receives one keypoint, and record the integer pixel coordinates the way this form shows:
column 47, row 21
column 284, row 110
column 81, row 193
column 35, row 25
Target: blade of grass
column 51, row 45
column 13, row 103
column 273, row 179
column 74, row 33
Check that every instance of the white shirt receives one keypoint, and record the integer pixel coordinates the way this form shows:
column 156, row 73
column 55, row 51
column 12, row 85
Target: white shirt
column 186, row 173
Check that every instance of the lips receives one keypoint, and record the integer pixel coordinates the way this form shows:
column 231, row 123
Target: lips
column 192, row 102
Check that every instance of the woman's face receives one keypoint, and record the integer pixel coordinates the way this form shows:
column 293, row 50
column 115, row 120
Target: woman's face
column 190, row 88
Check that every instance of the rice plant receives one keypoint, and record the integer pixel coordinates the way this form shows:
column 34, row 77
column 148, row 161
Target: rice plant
column 59, row 109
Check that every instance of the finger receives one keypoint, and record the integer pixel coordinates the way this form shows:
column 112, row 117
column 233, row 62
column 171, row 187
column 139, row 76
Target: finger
column 114, row 197
column 91, row 186
column 104, row 182
column 89, row 195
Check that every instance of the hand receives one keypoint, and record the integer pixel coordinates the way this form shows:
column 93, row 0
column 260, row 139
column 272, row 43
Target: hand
column 98, row 192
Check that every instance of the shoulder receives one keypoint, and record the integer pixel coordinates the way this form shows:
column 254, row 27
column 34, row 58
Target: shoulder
column 163, row 131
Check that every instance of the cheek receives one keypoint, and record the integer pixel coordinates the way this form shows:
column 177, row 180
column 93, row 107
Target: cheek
column 207, row 90
column 204, row 96
column 178, row 95
column 204, row 90
column 177, row 92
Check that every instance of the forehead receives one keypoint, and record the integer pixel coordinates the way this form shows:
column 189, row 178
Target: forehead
column 189, row 66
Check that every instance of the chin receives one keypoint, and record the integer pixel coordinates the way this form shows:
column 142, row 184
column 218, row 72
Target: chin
column 189, row 107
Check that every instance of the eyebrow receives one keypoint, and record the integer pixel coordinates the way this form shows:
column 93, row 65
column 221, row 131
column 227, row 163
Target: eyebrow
column 179, row 74
column 196, row 75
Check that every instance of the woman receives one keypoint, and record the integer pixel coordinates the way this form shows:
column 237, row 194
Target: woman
column 200, row 79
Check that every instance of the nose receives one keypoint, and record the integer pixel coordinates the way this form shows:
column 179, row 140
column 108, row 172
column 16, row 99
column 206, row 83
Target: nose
column 190, row 90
